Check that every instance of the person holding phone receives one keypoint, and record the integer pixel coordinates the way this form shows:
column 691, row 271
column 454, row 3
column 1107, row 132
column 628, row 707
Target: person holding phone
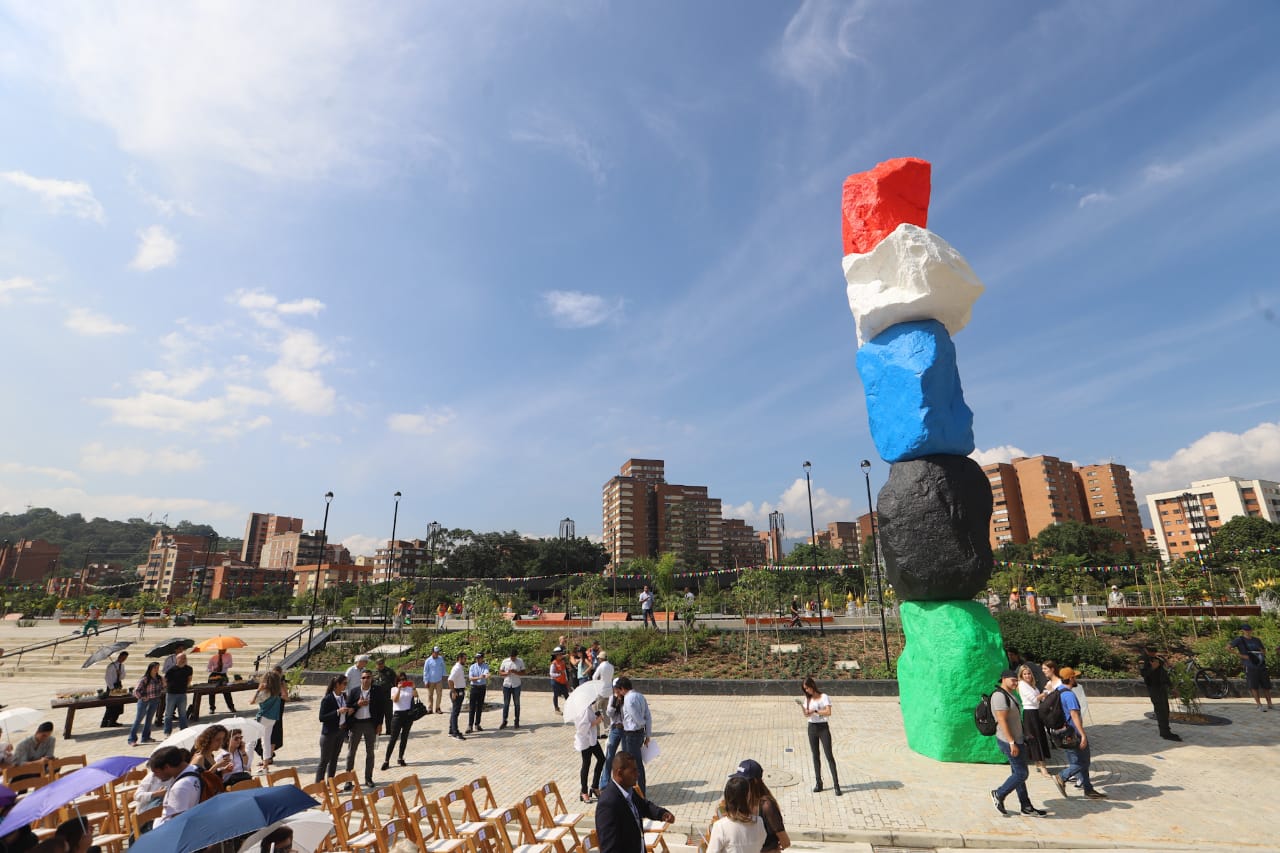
column 817, row 710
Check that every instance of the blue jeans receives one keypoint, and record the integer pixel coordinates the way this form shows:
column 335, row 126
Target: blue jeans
column 1018, row 773
column 146, row 710
column 175, row 705
column 633, row 742
column 1078, row 765
column 610, row 749
column 509, row 694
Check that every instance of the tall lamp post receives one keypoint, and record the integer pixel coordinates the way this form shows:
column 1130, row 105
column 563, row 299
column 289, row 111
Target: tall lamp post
column 315, row 584
column 875, row 559
column 813, row 547
column 391, row 552
column 433, row 530
column 1196, row 528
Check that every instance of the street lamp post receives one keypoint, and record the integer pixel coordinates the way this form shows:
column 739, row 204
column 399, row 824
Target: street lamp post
column 813, row 547
column 315, row 584
column 433, row 530
column 1195, row 529
column 875, row 559
column 391, row 552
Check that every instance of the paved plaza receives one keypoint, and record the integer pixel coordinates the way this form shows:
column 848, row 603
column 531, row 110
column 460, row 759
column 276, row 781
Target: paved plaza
column 1204, row 792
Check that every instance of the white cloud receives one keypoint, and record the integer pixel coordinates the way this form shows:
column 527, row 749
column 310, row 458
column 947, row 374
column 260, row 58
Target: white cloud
column 17, row 287
column 360, row 545
column 182, row 382
column 165, row 412
column 572, row 309
column 422, row 423
column 303, row 390
column 82, row 321
column 164, row 206
column 74, row 197
column 38, row 470
column 156, row 248
column 310, row 307
column 1003, row 453
column 794, row 504
column 305, row 440
column 554, row 134
column 1158, row 173
column 123, row 460
column 1254, row 453
column 67, row 500
column 818, row 41
column 1100, row 197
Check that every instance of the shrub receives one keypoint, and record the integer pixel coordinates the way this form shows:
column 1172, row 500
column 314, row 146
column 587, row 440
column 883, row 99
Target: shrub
column 1040, row 639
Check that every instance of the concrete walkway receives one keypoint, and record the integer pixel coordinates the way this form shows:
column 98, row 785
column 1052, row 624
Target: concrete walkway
column 1204, row 793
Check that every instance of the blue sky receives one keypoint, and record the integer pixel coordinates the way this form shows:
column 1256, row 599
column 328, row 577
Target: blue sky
column 250, row 254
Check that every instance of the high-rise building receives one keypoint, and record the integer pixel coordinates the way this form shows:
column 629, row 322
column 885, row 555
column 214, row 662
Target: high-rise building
column 1108, row 500
column 286, row 550
column 689, row 524
column 1008, row 522
column 743, row 546
column 262, row 526
column 171, row 559
column 842, row 536
column 1185, row 519
column 409, row 560
column 1050, row 493
column 28, row 560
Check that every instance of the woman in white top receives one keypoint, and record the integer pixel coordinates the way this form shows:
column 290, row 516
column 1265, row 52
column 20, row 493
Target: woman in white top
column 241, row 764
column 817, row 710
column 1037, row 739
column 401, row 719
column 584, row 740
column 740, row 830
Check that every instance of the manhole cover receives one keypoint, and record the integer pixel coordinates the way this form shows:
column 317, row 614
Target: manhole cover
column 780, row 779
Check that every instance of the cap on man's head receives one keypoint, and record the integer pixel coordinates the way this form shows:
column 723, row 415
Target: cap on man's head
column 1008, row 673
column 1067, row 672
column 479, row 654
column 604, row 655
column 749, row 768
column 1246, row 627
column 557, row 651
column 435, row 648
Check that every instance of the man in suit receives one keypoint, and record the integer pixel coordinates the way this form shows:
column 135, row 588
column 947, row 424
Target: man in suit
column 621, row 810
column 364, row 723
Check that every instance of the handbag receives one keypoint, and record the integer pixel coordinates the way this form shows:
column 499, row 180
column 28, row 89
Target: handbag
column 1064, row 738
column 417, row 710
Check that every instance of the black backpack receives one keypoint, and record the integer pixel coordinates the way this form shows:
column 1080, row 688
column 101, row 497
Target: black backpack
column 1051, row 714
column 983, row 717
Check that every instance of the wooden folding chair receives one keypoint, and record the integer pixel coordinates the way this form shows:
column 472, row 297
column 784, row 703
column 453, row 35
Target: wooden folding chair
column 515, row 817
column 340, row 780
column 383, row 798
column 363, row 835
column 590, row 843
column 285, row 776
column 246, row 784
column 467, row 821
column 139, row 820
column 69, row 764
column 424, row 823
column 420, row 797
column 482, row 799
column 318, row 791
column 531, row 809
column 109, row 832
column 21, row 786
column 442, row 829
column 488, row 839
column 553, row 804
column 30, row 768
column 389, row 833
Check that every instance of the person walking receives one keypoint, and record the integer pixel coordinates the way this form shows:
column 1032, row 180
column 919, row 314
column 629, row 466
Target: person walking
column 334, row 712
column 147, row 691
column 167, row 664
column 457, row 690
column 1033, row 730
column 511, row 668
column 478, row 678
column 384, row 678
column 740, row 830
column 401, row 719
column 1253, row 657
column 442, row 614
column 176, row 682
column 1155, row 674
column 817, row 710
column 115, row 681
column 584, row 740
column 637, row 725
column 646, row 607
column 559, row 678
column 1010, row 739
column 219, row 668
column 364, row 724
column 621, row 809
column 270, row 702
column 613, row 722
column 433, row 679
column 1078, row 753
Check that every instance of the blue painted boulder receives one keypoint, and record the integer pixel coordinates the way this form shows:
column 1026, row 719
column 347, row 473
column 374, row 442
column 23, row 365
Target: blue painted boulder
column 914, row 401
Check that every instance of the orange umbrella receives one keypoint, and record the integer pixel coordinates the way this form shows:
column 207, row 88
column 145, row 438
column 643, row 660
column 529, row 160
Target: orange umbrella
column 213, row 644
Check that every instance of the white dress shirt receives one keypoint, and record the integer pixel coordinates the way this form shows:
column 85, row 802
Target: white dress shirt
column 635, row 713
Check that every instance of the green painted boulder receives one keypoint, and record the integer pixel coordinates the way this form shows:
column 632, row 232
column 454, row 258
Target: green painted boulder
column 953, row 656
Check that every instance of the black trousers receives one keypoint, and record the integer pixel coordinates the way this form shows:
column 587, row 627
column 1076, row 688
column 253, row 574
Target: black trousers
column 1160, row 704
column 820, row 733
column 476, row 706
column 367, row 731
column 593, row 751
column 455, row 698
column 330, row 750
column 401, row 722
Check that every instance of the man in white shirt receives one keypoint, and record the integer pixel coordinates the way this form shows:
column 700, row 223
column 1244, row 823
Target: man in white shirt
column 604, row 680
column 364, row 724
column 646, row 610
column 478, row 675
column 185, row 789
column 353, row 671
column 637, row 725
column 115, row 680
column 511, row 669
column 457, row 690
column 219, row 668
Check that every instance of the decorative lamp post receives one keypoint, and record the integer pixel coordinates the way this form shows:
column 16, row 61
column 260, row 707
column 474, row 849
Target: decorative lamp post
column 813, row 546
column 875, row 559
column 391, row 552
column 315, row 584
column 433, row 530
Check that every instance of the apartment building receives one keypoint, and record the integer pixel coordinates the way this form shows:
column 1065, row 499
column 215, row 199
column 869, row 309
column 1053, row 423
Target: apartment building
column 410, row 558
column 260, row 528
column 1184, row 519
column 28, row 560
column 742, row 545
column 322, row 577
column 83, row 581
column 689, row 524
column 1008, row 521
column 1109, row 501
column 170, row 561
column 286, row 550
column 238, row 579
column 842, row 536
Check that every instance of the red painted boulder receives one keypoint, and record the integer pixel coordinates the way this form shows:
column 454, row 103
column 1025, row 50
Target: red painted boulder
column 877, row 201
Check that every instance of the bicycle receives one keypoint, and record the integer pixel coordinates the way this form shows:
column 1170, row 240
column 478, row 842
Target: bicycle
column 1208, row 681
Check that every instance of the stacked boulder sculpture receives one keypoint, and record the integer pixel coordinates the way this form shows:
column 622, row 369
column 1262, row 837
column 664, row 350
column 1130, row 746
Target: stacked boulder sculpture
column 910, row 291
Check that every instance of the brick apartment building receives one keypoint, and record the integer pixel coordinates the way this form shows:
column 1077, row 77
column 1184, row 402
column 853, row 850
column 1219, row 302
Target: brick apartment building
column 327, row 575
column 1185, row 519
column 83, row 581
column 260, row 528
column 170, row 561
column 234, row 579
column 27, row 560
column 412, row 559
column 286, row 550
column 1032, row 493
column 742, row 544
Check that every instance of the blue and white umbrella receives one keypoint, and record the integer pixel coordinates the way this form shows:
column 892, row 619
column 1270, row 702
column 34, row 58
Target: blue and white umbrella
column 224, row 816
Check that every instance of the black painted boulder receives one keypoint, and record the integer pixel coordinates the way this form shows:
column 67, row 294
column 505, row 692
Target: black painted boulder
column 935, row 515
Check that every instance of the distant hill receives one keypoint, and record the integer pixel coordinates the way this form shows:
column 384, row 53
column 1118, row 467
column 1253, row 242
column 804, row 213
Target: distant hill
column 99, row 540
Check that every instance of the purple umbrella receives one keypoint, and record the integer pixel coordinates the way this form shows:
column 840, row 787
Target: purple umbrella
column 48, row 799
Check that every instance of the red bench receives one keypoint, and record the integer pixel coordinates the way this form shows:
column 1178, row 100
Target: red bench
column 620, row 616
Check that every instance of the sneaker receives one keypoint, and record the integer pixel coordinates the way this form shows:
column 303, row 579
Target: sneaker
column 1032, row 811
column 1095, row 795
column 995, row 801
column 1062, row 785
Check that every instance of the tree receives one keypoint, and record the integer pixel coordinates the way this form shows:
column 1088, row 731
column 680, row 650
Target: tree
column 1246, row 533
column 1075, row 543
column 805, row 554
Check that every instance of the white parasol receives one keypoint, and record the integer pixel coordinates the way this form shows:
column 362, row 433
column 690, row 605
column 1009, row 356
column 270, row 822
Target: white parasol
column 310, row 829
column 186, row 738
column 579, row 699
column 19, row 719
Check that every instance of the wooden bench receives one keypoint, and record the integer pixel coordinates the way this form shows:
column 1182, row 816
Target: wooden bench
column 786, row 620
column 197, row 692
column 1221, row 610
column 619, row 616
column 553, row 620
